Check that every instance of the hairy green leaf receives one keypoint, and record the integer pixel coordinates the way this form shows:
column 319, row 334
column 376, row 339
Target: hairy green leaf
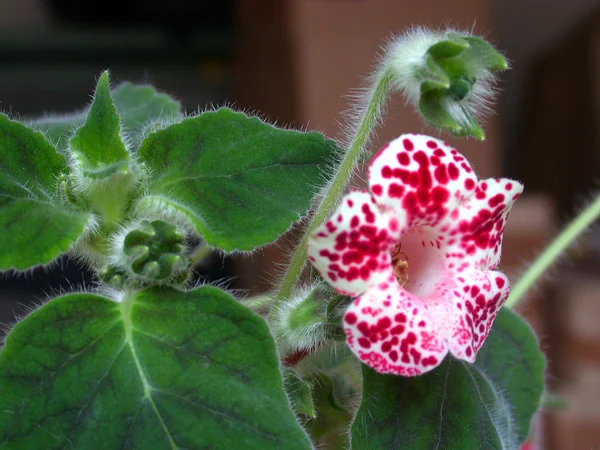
column 58, row 128
column 161, row 369
column 299, row 392
column 97, row 145
column 139, row 105
column 242, row 182
column 36, row 226
column 458, row 406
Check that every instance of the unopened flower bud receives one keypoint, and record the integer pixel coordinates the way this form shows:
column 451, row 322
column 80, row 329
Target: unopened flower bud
column 151, row 251
column 449, row 76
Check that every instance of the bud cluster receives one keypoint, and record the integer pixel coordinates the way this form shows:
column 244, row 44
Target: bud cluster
column 449, row 76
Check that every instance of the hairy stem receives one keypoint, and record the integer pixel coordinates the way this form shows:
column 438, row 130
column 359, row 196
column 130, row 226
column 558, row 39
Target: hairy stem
column 369, row 115
column 553, row 252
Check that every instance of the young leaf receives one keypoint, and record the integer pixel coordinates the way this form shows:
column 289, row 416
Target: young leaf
column 36, row 226
column 242, row 182
column 489, row 404
column 137, row 105
column 59, row 128
column 299, row 392
column 330, row 427
column 161, row 369
column 97, row 145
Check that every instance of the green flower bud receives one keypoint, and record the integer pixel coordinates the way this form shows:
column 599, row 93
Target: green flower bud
column 449, row 76
column 152, row 251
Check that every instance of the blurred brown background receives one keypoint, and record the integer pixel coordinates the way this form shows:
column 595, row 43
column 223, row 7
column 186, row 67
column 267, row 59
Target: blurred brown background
column 296, row 62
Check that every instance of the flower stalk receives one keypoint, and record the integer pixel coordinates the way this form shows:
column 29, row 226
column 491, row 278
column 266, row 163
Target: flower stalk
column 553, row 252
column 447, row 76
column 376, row 98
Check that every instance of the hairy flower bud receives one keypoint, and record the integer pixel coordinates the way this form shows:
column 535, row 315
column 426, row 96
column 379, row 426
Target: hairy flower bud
column 150, row 251
column 305, row 322
column 448, row 75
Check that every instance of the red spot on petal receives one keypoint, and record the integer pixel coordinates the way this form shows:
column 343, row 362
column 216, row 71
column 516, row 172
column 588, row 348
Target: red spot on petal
column 400, row 317
column 351, row 318
column 364, row 342
column 403, row 159
column 408, row 145
column 441, row 174
column 395, row 190
column 440, row 195
column 453, row 171
column 429, row 361
column 377, row 189
column 496, row 200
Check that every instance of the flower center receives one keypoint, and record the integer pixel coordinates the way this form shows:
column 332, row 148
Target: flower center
column 400, row 264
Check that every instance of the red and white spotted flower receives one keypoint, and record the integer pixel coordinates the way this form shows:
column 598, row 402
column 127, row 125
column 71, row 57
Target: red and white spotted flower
column 417, row 252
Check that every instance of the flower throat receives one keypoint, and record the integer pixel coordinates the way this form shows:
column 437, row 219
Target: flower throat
column 400, row 264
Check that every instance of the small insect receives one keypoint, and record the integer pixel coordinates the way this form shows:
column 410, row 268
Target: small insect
column 400, row 264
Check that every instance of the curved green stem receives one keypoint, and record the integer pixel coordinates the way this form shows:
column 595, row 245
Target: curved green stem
column 553, row 251
column 368, row 120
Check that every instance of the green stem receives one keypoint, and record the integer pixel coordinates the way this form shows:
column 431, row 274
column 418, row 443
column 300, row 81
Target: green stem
column 368, row 120
column 553, row 252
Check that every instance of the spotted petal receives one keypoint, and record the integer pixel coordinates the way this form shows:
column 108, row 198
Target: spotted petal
column 475, row 229
column 477, row 301
column 420, row 180
column 393, row 331
column 351, row 249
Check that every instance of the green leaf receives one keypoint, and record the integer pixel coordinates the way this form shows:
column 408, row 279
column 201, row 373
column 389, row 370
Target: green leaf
column 487, row 405
column 330, row 427
column 140, row 105
column 97, row 145
column 162, row 369
column 299, row 392
column 35, row 225
column 59, row 128
column 242, row 182
column 137, row 105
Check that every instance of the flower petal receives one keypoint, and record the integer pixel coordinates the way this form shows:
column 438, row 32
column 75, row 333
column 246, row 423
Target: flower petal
column 420, row 179
column 351, row 249
column 475, row 229
column 390, row 330
column 477, row 301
